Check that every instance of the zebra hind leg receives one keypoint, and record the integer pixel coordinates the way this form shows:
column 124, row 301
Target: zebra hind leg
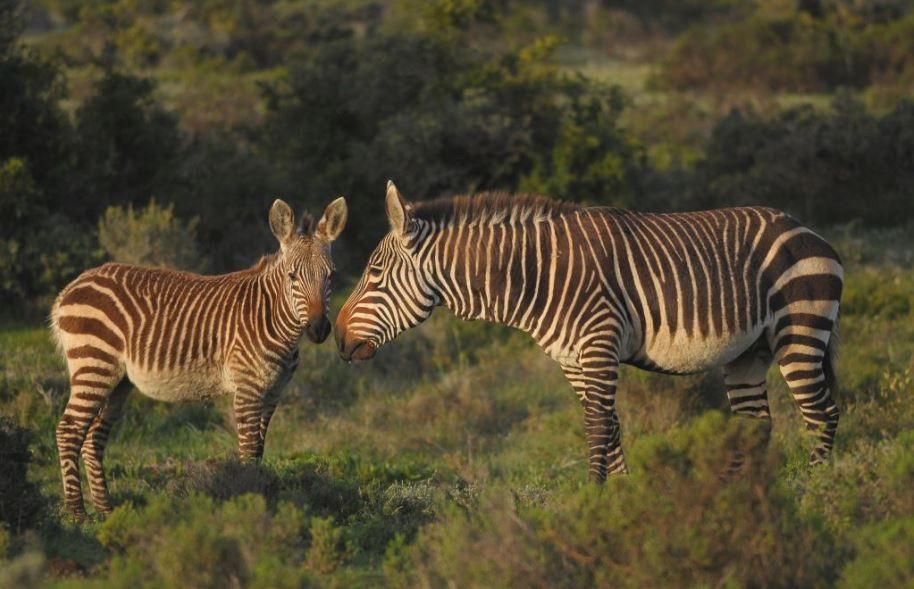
column 93, row 449
column 747, row 391
column 90, row 387
column 803, row 369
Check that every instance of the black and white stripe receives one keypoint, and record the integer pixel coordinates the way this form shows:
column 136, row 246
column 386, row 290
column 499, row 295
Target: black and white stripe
column 596, row 287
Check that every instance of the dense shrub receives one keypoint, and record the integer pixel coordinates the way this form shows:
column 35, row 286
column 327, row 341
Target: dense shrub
column 676, row 15
column 885, row 556
column 21, row 503
column 796, row 52
column 445, row 115
column 127, row 146
column 825, row 167
column 872, row 481
column 592, row 158
column 676, row 521
column 152, row 236
column 196, row 541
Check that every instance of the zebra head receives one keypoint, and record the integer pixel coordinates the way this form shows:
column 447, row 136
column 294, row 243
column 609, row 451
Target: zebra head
column 395, row 292
column 307, row 268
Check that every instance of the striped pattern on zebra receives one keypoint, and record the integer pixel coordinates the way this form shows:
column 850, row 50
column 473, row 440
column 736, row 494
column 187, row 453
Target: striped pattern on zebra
column 178, row 336
column 596, row 287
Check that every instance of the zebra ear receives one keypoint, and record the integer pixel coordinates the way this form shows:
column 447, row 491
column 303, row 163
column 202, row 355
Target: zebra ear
column 396, row 209
column 282, row 221
column 331, row 224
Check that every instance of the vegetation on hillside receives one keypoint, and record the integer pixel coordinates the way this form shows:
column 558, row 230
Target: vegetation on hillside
column 160, row 132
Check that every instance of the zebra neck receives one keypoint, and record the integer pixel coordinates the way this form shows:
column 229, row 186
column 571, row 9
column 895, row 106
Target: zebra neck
column 276, row 312
column 480, row 271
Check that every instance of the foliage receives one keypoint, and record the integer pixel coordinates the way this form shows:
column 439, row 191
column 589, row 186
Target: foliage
column 446, row 118
column 238, row 542
column 21, row 504
column 884, row 558
column 675, row 15
column 682, row 526
column 592, row 160
column 796, row 52
column 127, row 144
column 822, row 166
column 32, row 259
column 152, row 236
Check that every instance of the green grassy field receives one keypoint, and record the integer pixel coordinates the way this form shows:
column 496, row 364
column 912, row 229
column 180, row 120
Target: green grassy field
column 456, row 458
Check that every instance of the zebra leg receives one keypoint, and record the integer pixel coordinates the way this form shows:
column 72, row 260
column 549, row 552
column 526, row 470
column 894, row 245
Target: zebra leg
column 93, row 449
column 271, row 399
column 90, row 387
column 248, row 406
column 747, row 391
column 594, row 381
column 802, row 368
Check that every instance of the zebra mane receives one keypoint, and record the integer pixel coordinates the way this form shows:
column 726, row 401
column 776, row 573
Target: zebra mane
column 306, row 224
column 490, row 208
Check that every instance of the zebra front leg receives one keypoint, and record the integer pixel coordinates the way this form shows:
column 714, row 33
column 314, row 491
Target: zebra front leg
column 594, row 381
column 248, row 406
column 271, row 399
column 93, row 449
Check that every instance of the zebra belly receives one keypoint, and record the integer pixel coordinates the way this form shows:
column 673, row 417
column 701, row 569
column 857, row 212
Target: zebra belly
column 187, row 384
column 681, row 354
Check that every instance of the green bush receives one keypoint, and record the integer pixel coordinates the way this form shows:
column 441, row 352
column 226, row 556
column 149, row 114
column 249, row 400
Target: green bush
column 127, row 146
column 195, row 540
column 152, row 236
column 870, row 294
column 21, row 503
column 676, row 521
column 444, row 113
column 872, row 481
column 825, row 167
column 794, row 52
column 885, row 556
column 592, row 159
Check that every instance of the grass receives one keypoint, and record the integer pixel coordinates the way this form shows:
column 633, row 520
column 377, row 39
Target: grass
column 457, row 457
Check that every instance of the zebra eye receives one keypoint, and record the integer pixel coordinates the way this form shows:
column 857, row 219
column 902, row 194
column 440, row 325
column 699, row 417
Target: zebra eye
column 374, row 271
column 292, row 276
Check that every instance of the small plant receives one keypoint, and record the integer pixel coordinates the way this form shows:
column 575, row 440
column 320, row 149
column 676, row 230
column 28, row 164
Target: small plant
column 326, row 553
column 151, row 236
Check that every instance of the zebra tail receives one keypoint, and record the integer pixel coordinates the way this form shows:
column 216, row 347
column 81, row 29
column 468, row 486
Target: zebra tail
column 831, row 359
column 53, row 324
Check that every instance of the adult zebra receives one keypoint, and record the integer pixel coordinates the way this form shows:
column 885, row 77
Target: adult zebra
column 180, row 337
column 596, row 287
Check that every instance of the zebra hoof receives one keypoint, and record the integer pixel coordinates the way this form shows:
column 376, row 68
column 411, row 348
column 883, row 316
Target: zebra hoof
column 819, row 456
column 77, row 514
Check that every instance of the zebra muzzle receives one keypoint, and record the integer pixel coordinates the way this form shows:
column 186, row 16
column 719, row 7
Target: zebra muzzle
column 318, row 330
column 357, row 350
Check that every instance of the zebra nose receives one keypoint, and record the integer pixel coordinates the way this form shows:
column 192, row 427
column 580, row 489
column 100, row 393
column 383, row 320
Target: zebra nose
column 319, row 329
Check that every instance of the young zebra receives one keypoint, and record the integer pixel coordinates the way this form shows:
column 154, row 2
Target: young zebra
column 178, row 336
column 596, row 287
